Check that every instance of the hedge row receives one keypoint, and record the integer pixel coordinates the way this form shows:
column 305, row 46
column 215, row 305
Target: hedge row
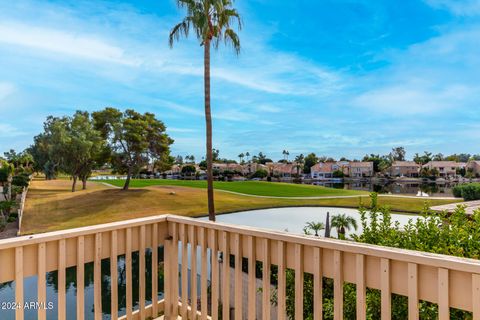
column 468, row 191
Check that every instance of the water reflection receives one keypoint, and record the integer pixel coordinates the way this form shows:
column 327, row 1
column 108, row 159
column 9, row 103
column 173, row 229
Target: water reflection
column 410, row 188
column 7, row 290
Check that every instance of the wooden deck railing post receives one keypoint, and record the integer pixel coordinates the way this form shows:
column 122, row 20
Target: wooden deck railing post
column 41, row 280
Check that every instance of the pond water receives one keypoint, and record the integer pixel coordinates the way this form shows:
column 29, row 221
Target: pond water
column 281, row 219
column 294, row 219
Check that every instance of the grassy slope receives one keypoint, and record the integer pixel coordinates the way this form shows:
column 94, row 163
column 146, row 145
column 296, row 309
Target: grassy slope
column 259, row 188
column 50, row 206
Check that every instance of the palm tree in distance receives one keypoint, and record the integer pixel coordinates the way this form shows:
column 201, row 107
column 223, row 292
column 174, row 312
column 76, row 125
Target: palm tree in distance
column 342, row 223
column 248, row 156
column 240, row 156
column 211, row 21
column 315, row 227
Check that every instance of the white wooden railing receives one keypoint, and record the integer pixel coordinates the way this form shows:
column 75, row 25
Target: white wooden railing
column 192, row 247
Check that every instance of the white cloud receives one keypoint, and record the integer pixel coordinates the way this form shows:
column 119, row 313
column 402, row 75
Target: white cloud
column 69, row 43
column 458, row 7
column 410, row 99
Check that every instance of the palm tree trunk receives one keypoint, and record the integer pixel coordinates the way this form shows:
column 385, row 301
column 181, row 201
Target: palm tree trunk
column 208, row 122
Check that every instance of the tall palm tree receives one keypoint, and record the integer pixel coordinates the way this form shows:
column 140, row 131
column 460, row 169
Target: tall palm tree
column 211, row 21
column 299, row 161
column 241, row 156
column 342, row 223
column 315, row 226
column 248, row 156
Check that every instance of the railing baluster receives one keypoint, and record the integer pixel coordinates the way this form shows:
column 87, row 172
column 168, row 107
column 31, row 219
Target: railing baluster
column 317, row 284
column 113, row 275
column 167, row 265
column 266, row 280
column 193, row 272
column 226, row 276
column 203, row 279
column 252, row 279
column 443, row 295
column 19, row 298
column 41, row 282
column 215, row 272
column 97, row 275
column 80, row 278
column 282, row 281
column 386, row 295
column 298, row 282
column 361, row 287
column 183, row 238
column 154, row 270
column 238, row 277
column 476, row 296
column 61, row 280
column 141, row 270
column 128, row 270
column 337, row 285
column 413, row 312
column 174, row 273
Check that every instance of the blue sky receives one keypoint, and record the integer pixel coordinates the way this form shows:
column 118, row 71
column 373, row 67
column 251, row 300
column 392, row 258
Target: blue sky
column 336, row 77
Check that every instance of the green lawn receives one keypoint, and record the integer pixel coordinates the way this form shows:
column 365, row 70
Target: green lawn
column 259, row 188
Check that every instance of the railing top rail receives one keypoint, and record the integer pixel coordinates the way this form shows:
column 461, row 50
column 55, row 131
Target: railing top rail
column 424, row 258
column 76, row 232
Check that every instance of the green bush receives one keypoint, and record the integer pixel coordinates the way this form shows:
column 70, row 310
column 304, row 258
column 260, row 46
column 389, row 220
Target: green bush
column 469, row 191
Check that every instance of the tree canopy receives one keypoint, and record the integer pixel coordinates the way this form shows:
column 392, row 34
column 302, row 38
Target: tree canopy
column 134, row 139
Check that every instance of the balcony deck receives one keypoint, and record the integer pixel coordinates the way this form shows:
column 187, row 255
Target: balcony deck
column 447, row 281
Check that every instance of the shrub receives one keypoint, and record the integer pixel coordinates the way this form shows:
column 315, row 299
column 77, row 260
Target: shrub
column 21, row 180
column 468, row 191
column 260, row 174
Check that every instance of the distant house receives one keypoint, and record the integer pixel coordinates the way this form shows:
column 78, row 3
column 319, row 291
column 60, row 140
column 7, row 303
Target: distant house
column 473, row 166
column 445, row 168
column 351, row 169
column 322, row 170
column 252, row 167
column 361, row 169
column 409, row 169
column 281, row 169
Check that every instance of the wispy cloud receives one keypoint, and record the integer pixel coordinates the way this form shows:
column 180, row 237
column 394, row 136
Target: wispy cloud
column 458, row 7
column 62, row 42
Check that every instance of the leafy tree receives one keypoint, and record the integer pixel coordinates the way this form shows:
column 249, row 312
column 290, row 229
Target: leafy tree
column 380, row 163
column 84, row 148
column 188, row 170
column 211, row 21
column 398, row 154
column 164, row 163
column 315, row 227
column 310, row 160
column 342, row 223
column 48, row 150
column 133, row 138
